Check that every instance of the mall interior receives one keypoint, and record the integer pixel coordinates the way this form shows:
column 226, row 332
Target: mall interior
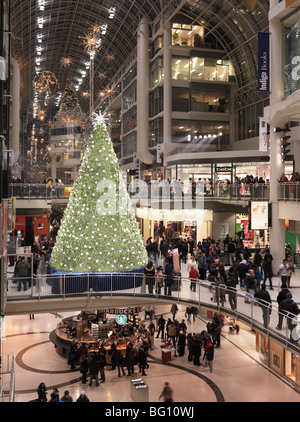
column 193, row 105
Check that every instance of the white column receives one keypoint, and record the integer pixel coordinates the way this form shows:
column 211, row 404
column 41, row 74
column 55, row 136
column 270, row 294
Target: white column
column 143, row 93
column 277, row 231
column 167, row 132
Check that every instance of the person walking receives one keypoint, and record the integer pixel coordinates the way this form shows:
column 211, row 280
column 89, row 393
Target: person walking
column 169, row 273
column 188, row 313
column 93, row 370
column 171, row 331
column 265, row 302
column 167, row 393
column 174, row 309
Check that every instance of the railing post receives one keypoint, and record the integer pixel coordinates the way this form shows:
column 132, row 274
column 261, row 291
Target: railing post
column 111, row 284
column 134, row 285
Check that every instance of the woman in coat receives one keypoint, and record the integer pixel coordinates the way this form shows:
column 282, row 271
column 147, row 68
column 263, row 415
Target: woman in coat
column 149, row 273
column 181, row 343
column 42, row 392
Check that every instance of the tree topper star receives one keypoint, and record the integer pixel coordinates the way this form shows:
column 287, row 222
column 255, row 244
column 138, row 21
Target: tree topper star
column 99, row 119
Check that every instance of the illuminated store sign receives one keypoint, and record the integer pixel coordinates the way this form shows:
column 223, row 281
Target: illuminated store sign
column 264, row 62
column 121, row 319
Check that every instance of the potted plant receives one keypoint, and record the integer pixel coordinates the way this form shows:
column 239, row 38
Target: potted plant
column 175, row 38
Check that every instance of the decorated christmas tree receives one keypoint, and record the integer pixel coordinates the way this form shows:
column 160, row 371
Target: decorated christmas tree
column 70, row 110
column 99, row 231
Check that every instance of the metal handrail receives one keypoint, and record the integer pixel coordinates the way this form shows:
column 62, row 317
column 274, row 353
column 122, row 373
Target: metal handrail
column 289, row 191
column 252, row 312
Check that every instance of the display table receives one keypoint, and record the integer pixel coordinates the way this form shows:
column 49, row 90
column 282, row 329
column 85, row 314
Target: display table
column 166, row 354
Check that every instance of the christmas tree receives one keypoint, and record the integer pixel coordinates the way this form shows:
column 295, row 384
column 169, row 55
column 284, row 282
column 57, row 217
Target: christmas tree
column 69, row 110
column 99, row 231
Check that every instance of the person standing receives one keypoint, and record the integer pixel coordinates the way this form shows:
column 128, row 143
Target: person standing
column 151, row 329
column 171, row 331
column 267, row 268
column 120, row 362
column 66, row 398
column 93, row 370
column 130, row 357
column 210, row 356
column 283, row 273
column 142, row 359
column 280, row 297
column 82, row 398
column 161, row 326
column 22, row 269
column 181, row 343
column 83, row 368
column 169, row 273
column 290, row 309
column 102, row 362
column 42, row 392
column 290, row 265
column 149, row 276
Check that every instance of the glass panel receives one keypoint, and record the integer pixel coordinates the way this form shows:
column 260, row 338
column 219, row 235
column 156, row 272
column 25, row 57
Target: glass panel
column 180, row 68
column 180, row 99
column 197, row 68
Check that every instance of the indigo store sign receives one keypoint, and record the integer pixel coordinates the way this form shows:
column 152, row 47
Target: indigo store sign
column 264, row 62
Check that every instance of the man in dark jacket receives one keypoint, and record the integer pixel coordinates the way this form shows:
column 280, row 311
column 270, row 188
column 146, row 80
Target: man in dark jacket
column 289, row 308
column 169, row 278
column 265, row 302
column 161, row 326
column 267, row 268
column 93, row 370
column 22, row 269
column 280, row 297
column 142, row 359
column 231, row 283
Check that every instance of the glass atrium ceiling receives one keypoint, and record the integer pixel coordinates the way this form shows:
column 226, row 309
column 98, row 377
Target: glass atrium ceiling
column 51, row 35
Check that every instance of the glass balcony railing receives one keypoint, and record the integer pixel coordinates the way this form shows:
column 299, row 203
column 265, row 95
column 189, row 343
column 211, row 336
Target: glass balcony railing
column 289, row 191
column 36, row 191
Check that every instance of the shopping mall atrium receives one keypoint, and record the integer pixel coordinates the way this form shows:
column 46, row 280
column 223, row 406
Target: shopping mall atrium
column 150, row 201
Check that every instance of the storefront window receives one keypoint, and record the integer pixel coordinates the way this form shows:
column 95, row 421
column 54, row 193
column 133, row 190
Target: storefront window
column 292, row 54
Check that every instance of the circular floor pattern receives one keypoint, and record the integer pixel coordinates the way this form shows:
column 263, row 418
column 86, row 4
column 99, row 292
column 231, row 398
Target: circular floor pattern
column 19, row 360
